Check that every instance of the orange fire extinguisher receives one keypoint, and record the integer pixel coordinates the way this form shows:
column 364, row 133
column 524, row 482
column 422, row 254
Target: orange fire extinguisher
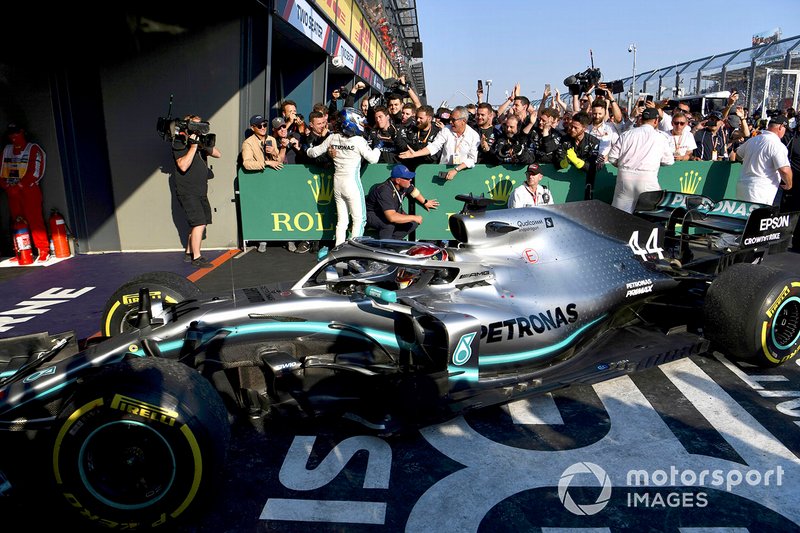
column 58, row 232
column 22, row 242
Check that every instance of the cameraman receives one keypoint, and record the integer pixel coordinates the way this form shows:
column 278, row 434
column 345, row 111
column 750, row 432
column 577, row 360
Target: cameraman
column 191, row 184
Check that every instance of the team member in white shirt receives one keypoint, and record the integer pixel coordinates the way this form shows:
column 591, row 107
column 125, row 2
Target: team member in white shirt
column 458, row 144
column 765, row 165
column 531, row 193
column 683, row 144
column 638, row 155
column 602, row 127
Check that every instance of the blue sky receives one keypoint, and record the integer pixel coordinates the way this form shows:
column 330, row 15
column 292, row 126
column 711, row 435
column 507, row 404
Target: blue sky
column 534, row 43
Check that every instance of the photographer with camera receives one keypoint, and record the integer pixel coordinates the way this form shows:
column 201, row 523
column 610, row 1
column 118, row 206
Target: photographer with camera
column 260, row 150
column 191, row 147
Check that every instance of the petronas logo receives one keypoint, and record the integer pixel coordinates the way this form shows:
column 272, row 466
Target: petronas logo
column 321, row 188
column 500, row 188
column 690, row 182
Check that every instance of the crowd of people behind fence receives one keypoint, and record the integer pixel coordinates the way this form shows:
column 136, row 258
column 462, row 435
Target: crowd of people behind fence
column 579, row 132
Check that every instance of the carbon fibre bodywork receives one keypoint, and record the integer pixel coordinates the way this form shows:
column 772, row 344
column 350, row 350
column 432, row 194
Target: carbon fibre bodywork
column 529, row 300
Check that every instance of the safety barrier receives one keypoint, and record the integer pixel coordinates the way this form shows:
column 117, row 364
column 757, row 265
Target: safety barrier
column 296, row 202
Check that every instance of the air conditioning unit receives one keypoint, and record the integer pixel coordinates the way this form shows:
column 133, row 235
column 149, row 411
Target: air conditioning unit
column 337, row 61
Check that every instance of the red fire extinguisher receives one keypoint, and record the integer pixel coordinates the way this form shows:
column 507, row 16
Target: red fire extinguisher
column 22, row 242
column 58, row 232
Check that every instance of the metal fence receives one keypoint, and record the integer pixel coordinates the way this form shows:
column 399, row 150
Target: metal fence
column 744, row 70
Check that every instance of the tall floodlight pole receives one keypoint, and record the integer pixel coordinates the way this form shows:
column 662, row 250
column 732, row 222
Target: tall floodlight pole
column 488, row 86
column 632, row 101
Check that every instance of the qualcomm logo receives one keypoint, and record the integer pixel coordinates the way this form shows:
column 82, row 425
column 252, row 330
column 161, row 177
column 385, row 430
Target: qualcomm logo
column 690, row 181
column 321, row 188
column 584, row 509
column 500, row 188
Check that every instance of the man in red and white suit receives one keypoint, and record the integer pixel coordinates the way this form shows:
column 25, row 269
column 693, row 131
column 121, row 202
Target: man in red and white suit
column 22, row 168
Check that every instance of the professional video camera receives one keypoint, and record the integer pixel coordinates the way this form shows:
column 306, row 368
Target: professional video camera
column 580, row 82
column 179, row 130
column 393, row 86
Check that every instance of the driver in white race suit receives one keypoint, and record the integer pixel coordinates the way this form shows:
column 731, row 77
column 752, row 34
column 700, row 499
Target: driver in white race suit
column 348, row 193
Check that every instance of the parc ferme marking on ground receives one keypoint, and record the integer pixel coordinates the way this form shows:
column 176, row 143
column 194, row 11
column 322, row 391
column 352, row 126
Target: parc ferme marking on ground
column 494, row 472
column 37, row 305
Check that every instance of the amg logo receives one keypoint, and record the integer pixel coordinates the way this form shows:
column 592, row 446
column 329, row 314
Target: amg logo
column 774, row 223
column 144, row 410
column 474, row 274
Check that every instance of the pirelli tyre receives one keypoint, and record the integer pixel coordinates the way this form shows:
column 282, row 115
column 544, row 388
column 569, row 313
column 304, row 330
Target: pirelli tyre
column 120, row 311
column 142, row 446
column 752, row 313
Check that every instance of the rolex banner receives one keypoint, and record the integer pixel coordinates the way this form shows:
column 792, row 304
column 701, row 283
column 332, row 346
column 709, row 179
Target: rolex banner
column 296, row 202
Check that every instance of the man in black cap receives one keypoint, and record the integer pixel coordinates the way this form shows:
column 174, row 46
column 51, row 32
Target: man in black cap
column 638, row 154
column 260, row 150
column 711, row 139
column 385, row 205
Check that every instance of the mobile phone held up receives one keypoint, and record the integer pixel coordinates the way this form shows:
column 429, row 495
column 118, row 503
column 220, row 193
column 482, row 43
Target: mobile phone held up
column 480, row 86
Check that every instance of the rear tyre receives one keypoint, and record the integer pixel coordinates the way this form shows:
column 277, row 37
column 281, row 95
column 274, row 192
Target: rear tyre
column 120, row 311
column 752, row 313
column 141, row 446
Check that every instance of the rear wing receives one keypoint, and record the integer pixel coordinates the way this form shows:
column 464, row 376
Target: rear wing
column 754, row 225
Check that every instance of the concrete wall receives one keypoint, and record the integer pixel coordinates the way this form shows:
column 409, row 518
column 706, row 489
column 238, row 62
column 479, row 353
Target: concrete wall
column 202, row 72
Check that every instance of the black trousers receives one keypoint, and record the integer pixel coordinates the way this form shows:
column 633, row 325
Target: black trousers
column 387, row 230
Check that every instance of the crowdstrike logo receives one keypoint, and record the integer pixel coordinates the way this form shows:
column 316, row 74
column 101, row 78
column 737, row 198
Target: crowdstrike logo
column 585, row 509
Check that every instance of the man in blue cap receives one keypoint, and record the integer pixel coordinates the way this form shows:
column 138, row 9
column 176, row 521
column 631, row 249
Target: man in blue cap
column 385, row 205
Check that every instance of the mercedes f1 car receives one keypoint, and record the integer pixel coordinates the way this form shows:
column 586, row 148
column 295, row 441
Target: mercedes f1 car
column 393, row 334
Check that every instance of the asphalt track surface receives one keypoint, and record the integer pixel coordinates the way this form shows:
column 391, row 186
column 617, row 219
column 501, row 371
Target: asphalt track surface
column 717, row 442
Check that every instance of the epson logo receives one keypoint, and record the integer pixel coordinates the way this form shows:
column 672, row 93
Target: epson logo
column 774, row 223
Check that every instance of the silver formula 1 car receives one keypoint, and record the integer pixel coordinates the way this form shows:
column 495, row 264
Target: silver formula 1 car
column 393, row 334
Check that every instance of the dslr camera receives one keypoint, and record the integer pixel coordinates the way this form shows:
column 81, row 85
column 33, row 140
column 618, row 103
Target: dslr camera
column 581, row 81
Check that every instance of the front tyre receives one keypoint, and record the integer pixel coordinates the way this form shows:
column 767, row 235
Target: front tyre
column 142, row 447
column 120, row 311
column 752, row 313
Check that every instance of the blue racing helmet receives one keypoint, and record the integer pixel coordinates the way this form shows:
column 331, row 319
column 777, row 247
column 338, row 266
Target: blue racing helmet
column 352, row 121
